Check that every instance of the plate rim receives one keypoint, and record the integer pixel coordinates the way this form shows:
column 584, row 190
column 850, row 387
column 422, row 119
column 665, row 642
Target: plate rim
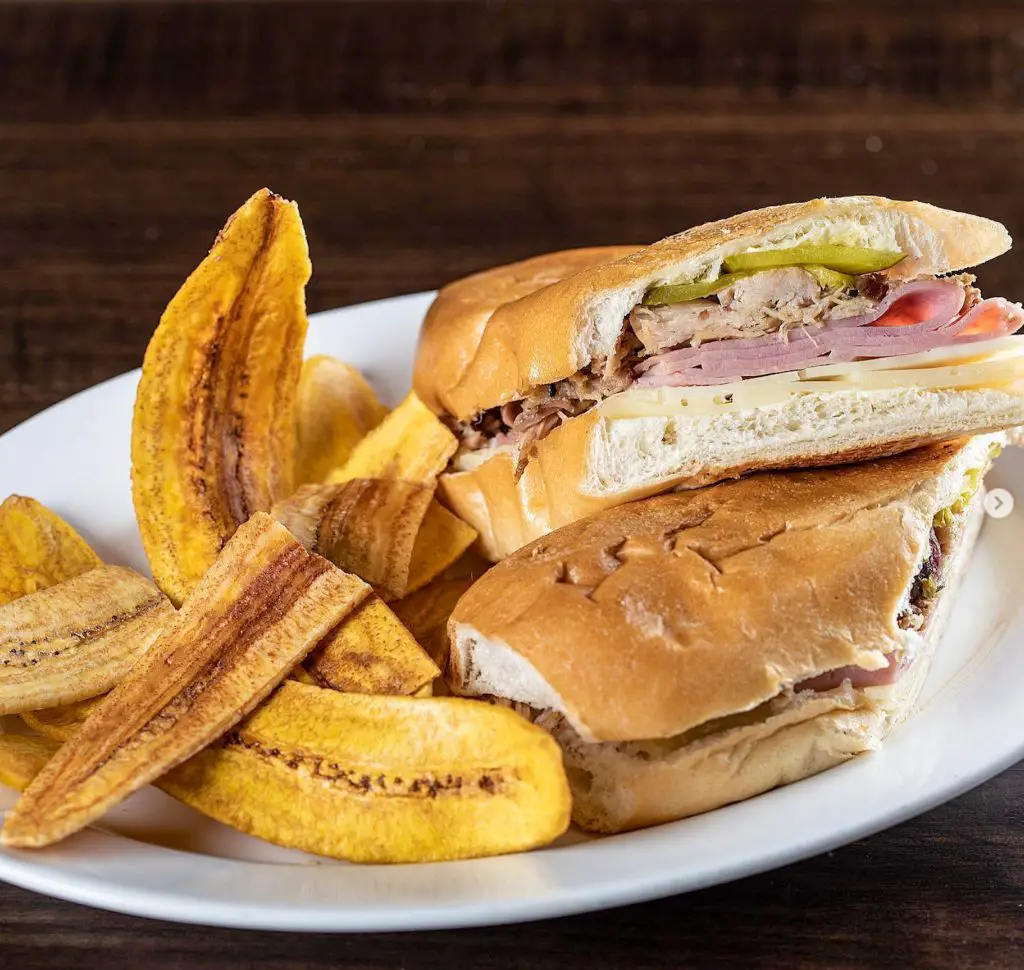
column 151, row 904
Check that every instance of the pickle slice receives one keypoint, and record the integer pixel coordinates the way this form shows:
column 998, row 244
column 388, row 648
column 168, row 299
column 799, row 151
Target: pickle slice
column 844, row 259
column 829, row 279
column 684, row 292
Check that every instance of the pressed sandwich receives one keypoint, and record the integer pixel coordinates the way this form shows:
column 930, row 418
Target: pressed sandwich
column 704, row 646
column 799, row 335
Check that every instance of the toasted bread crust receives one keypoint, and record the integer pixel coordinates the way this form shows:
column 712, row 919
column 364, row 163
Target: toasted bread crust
column 618, row 787
column 658, row 616
column 463, row 315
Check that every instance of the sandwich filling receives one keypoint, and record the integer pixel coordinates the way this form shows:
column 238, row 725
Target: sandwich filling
column 766, row 313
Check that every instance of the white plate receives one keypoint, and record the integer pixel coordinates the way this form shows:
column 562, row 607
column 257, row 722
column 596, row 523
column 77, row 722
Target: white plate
column 153, row 857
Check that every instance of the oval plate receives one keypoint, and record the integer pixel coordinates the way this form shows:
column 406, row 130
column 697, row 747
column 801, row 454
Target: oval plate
column 154, row 857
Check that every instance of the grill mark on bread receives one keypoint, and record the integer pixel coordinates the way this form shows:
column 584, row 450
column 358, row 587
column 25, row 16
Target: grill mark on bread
column 674, row 541
column 695, row 548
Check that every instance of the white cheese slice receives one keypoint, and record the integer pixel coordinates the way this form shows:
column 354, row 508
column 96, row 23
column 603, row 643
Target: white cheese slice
column 990, row 363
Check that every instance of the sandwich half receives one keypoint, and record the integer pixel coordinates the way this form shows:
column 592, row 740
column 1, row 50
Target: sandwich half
column 795, row 336
column 702, row 647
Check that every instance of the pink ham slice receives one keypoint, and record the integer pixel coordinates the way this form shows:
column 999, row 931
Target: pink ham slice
column 912, row 318
column 857, row 676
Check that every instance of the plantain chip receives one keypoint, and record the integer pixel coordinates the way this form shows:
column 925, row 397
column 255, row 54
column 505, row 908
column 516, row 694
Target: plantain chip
column 470, row 565
column 37, row 549
column 61, row 722
column 411, row 443
column 365, row 526
column 336, row 408
column 303, row 676
column 76, row 639
column 372, row 653
column 369, row 779
column 22, row 758
column 382, row 779
column 442, row 539
column 214, row 426
column 425, row 613
column 263, row 605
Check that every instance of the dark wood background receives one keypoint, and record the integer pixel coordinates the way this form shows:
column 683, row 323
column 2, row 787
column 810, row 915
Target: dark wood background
column 424, row 141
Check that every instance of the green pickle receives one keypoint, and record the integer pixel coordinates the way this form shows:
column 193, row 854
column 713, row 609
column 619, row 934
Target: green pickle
column 844, row 259
column 829, row 279
column 944, row 518
column 684, row 292
column 834, row 267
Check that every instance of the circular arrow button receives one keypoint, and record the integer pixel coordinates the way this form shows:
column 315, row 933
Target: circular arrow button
column 998, row 503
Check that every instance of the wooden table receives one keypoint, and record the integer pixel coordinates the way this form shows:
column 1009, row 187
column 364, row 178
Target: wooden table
column 425, row 141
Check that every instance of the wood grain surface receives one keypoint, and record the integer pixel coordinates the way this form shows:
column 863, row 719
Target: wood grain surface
column 427, row 140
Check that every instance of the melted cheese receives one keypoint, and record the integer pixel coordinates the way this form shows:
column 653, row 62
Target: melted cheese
column 990, row 364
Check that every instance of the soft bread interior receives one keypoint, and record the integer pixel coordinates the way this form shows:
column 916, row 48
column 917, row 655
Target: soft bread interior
column 486, row 667
column 628, row 453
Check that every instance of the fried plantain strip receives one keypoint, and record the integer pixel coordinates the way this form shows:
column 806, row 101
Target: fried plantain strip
column 366, row 526
column 369, row 779
column 442, row 539
column 61, row 722
column 76, row 639
column 411, row 443
column 382, row 779
column 425, row 614
column 336, row 409
column 22, row 758
column 263, row 605
column 37, row 549
column 213, row 432
column 372, row 653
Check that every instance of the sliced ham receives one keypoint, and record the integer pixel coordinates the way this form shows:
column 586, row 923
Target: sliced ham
column 990, row 318
column 929, row 303
column 912, row 318
column 857, row 676
column 919, row 602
